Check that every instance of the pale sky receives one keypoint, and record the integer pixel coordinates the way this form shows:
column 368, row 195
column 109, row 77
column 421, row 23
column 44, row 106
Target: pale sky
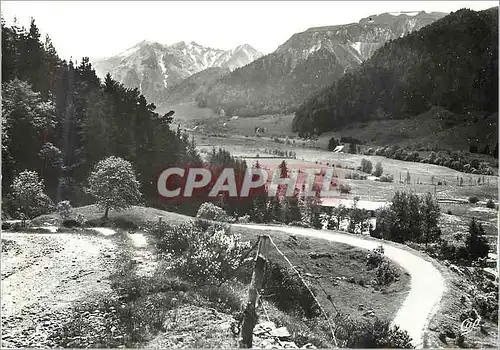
column 101, row 29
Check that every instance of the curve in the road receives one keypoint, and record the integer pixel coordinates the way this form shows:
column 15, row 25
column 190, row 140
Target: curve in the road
column 427, row 285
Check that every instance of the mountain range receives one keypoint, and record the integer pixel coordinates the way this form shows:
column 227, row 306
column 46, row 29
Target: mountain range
column 253, row 84
column 307, row 62
column 451, row 63
column 153, row 68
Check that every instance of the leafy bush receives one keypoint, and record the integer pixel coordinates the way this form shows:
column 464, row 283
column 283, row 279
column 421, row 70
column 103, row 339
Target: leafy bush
column 210, row 211
column 287, row 290
column 202, row 253
column 64, row 209
column 476, row 243
column 490, row 204
column 372, row 334
column 344, row 188
column 386, row 178
column 378, row 169
column 386, row 273
column 28, row 195
column 375, row 257
column 473, row 199
column 21, row 226
column 355, row 176
column 69, row 223
column 366, row 166
column 486, row 305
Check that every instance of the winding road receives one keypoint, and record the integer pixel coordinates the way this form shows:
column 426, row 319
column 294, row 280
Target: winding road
column 427, row 284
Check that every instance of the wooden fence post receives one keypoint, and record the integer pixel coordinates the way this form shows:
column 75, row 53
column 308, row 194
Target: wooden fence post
column 250, row 316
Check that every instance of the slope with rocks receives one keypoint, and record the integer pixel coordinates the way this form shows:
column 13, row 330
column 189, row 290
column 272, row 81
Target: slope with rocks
column 307, row 62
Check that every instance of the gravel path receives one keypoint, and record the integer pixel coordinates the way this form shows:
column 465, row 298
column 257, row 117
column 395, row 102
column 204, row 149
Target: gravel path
column 42, row 274
column 427, row 284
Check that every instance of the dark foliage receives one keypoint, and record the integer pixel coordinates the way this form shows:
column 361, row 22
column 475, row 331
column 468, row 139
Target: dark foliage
column 452, row 63
column 77, row 121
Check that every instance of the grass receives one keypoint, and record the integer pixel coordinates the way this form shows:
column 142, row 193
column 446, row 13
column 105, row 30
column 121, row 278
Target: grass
column 140, row 305
column 134, row 216
column 429, row 130
column 344, row 262
column 447, row 321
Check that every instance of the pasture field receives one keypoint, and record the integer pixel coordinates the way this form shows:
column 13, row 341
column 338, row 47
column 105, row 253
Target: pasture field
column 443, row 182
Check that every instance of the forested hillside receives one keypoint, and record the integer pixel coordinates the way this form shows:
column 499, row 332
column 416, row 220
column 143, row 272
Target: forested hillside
column 188, row 89
column 271, row 84
column 59, row 120
column 452, row 63
column 306, row 63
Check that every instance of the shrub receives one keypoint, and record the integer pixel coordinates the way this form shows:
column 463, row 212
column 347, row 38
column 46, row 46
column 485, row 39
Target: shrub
column 69, row 223
column 375, row 257
column 370, row 334
column 378, row 169
column 355, row 176
column 475, row 243
column 64, row 209
column 386, row 273
column 386, row 178
column 287, row 291
column 366, row 166
column 344, row 188
column 486, row 305
column 200, row 252
column 210, row 211
column 28, row 195
column 473, row 199
column 490, row 204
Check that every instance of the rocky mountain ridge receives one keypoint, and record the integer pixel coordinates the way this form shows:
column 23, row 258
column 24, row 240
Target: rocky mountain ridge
column 153, row 68
column 308, row 62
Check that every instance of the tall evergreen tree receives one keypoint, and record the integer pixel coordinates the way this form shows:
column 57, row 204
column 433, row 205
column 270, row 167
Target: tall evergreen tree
column 476, row 244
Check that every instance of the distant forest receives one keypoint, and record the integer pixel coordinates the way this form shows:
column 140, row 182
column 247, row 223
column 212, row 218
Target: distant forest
column 59, row 120
column 451, row 63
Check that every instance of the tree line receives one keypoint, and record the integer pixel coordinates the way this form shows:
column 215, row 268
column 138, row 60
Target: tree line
column 59, row 120
column 452, row 63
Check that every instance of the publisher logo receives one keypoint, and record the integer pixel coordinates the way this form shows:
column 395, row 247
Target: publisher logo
column 189, row 182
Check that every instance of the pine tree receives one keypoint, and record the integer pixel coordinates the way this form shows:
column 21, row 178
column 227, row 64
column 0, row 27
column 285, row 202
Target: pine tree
column 476, row 244
column 275, row 209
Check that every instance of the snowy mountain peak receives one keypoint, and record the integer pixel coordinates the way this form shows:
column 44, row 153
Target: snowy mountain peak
column 153, row 67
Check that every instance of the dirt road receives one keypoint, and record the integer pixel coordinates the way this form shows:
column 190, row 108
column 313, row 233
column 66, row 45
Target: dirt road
column 42, row 274
column 427, row 284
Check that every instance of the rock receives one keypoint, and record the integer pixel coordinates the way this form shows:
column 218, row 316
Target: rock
column 361, row 307
column 289, row 345
column 280, row 332
column 455, row 269
column 264, row 327
column 309, row 346
column 317, row 255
